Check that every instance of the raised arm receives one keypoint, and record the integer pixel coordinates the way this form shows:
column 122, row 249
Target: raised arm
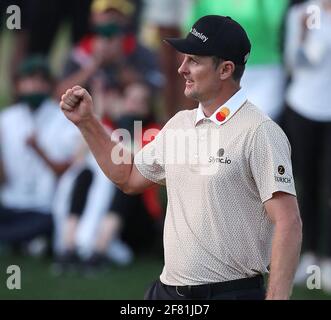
column 283, row 211
column 77, row 106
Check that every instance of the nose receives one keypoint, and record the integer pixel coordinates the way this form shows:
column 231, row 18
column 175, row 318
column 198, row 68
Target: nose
column 183, row 67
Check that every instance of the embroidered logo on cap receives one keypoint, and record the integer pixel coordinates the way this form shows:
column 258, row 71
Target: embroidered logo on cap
column 222, row 114
column 199, row 35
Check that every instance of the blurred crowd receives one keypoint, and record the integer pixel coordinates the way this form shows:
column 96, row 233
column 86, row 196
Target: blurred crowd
column 53, row 194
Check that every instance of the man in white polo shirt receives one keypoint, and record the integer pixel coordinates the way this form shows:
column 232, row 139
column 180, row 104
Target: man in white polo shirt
column 37, row 146
column 232, row 213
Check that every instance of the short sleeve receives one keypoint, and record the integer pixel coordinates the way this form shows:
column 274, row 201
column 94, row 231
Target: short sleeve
column 270, row 161
column 150, row 159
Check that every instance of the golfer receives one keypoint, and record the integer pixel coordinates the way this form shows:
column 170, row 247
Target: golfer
column 232, row 214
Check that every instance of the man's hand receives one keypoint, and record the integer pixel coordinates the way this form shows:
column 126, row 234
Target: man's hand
column 77, row 105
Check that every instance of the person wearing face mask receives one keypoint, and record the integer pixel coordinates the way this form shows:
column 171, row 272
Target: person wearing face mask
column 111, row 49
column 37, row 145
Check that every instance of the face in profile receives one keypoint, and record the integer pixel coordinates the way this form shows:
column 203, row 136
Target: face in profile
column 202, row 78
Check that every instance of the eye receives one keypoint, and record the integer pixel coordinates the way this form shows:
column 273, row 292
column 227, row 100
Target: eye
column 193, row 61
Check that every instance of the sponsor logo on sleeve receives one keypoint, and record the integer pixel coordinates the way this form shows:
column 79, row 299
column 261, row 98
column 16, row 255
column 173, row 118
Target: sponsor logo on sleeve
column 281, row 178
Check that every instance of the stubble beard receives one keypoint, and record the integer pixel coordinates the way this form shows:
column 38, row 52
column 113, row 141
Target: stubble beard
column 192, row 95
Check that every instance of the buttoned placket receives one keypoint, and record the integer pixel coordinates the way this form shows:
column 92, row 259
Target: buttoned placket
column 202, row 128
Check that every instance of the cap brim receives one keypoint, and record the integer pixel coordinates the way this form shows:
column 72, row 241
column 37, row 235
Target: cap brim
column 186, row 46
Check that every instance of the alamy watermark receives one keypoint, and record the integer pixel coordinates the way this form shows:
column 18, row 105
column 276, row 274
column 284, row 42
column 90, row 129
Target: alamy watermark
column 14, row 17
column 314, row 278
column 204, row 149
column 313, row 20
column 14, row 277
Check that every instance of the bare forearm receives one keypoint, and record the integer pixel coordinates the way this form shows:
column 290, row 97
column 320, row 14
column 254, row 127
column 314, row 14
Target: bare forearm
column 284, row 259
column 114, row 160
column 116, row 165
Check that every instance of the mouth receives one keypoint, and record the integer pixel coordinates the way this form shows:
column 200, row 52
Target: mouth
column 189, row 82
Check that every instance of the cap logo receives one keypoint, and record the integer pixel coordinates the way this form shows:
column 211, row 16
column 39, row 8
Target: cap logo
column 199, row 35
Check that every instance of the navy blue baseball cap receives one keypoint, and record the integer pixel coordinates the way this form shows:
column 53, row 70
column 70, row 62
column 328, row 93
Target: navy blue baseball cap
column 215, row 35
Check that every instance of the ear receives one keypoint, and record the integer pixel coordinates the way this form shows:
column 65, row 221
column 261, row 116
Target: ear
column 226, row 69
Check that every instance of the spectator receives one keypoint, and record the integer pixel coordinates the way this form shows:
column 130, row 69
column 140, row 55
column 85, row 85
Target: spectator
column 82, row 200
column 111, row 51
column 37, row 145
column 307, row 121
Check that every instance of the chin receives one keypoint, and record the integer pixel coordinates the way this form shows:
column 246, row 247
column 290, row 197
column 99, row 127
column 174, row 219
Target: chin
column 190, row 94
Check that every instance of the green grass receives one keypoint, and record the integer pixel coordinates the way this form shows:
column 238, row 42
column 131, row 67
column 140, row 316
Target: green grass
column 38, row 282
column 302, row 293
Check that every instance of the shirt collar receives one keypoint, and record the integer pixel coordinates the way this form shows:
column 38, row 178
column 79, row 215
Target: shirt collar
column 225, row 112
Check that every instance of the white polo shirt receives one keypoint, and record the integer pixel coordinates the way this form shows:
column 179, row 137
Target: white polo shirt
column 30, row 183
column 218, row 172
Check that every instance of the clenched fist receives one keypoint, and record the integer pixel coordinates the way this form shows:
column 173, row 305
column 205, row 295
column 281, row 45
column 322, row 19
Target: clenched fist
column 77, row 105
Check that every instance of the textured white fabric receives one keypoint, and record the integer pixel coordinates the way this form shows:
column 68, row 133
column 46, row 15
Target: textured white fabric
column 233, row 104
column 216, row 228
column 30, row 183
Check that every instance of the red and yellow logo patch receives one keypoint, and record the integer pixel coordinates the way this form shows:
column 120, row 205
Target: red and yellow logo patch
column 222, row 114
